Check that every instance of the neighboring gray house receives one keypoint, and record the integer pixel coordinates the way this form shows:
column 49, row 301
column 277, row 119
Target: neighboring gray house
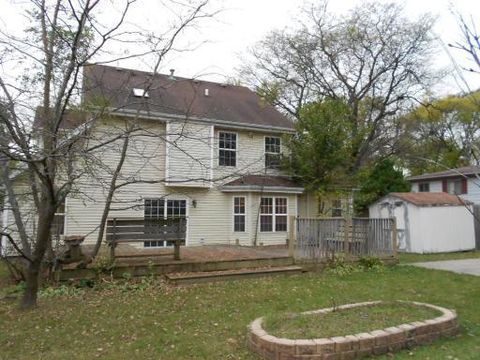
column 464, row 181
column 214, row 149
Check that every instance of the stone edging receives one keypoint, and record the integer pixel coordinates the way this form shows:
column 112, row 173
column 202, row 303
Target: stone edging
column 376, row 342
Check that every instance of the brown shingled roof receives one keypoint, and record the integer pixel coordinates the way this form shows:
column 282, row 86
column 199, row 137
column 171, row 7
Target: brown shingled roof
column 458, row 172
column 179, row 96
column 431, row 198
column 264, row 180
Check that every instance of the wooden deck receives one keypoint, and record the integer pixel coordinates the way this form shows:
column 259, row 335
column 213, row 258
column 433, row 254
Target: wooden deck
column 140, row 261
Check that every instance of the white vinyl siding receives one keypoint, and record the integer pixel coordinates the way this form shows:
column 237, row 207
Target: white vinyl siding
column 250, row 157
column 211, row 221
column 189, row 149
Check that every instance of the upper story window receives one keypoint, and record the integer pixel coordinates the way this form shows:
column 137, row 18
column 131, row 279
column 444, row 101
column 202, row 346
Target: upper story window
column 424, row 187
column 227, row 149
column 272, row 152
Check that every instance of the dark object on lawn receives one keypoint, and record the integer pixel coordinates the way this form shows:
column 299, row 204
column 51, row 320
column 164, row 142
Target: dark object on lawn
column 74, row 251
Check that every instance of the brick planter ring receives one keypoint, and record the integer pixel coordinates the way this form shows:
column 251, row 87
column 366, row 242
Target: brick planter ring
column 376, row 342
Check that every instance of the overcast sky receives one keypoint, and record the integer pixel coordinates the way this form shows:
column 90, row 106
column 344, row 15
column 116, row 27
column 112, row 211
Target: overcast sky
column 244, row 22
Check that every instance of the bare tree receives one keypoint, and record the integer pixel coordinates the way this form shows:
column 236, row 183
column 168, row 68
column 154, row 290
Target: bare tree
column 376, row 59
column 469, row 43
column 63, row 39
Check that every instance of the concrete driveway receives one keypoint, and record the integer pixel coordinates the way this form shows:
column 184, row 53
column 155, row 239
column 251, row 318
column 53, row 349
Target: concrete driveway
column 466, row 266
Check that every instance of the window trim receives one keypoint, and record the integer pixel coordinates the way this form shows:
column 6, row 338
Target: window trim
column 265, row 152
column 234, row 214
column 273, row 214
column 236, row 147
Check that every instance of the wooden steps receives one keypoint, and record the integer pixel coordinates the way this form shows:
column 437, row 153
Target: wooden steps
column 210, row 276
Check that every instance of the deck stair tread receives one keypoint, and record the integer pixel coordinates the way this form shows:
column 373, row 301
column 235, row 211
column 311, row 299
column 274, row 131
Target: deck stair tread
column 235, row 273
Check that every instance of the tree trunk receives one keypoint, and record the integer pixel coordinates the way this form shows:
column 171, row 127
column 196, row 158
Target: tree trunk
column 29, row 299
column 42, row 241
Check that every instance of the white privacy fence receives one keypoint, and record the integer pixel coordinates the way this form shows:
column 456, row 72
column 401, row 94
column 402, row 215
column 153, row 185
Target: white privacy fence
column 322, row 237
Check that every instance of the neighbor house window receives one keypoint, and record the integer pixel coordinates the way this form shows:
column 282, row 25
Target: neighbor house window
column 273, row 214
column 272, row 152
column 227, row 149
column 455, row 186
column 58, row 224
column 163, row 209
column 239, row 214
column 424, row 187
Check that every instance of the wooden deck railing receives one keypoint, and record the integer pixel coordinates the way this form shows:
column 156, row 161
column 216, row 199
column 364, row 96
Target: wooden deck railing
column 131, row 230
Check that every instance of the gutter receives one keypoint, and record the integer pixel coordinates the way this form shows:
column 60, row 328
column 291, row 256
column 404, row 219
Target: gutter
column 260, row 188
column 153, row 115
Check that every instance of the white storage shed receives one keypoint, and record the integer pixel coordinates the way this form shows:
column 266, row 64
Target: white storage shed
column 428, row 222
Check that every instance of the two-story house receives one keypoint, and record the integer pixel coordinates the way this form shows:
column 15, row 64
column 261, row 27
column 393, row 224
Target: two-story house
column 206, row 151
column 463, row 181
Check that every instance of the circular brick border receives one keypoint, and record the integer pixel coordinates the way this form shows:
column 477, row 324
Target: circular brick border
column 376, row 342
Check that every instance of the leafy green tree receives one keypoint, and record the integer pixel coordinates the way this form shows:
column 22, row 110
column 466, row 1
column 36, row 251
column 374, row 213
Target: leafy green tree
column 382, row 179
column 320, row 152
column 443, row 133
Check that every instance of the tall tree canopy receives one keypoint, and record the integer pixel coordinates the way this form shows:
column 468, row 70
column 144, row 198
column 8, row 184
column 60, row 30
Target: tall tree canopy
column 382, row 179
column 375, row 58
column 320, row 152
column 443, row 133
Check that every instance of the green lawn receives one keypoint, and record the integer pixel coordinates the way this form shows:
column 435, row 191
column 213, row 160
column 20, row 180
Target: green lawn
column 347, row 321
column 209, row 321
column 410, row 258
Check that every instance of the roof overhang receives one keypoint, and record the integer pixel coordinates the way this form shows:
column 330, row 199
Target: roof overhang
column 264, row 189
column 153, row 115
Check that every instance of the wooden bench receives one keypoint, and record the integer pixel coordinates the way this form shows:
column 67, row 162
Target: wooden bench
column 128, row 230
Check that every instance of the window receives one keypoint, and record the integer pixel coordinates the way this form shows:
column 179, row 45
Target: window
column 280, row 214
column 227, row 149
column 58, row 224
column 239, row 214
column 273, row 214
column 455, row 186
column 272, row 152
column 337, row 208
column 424, row 187
column 156, row 209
